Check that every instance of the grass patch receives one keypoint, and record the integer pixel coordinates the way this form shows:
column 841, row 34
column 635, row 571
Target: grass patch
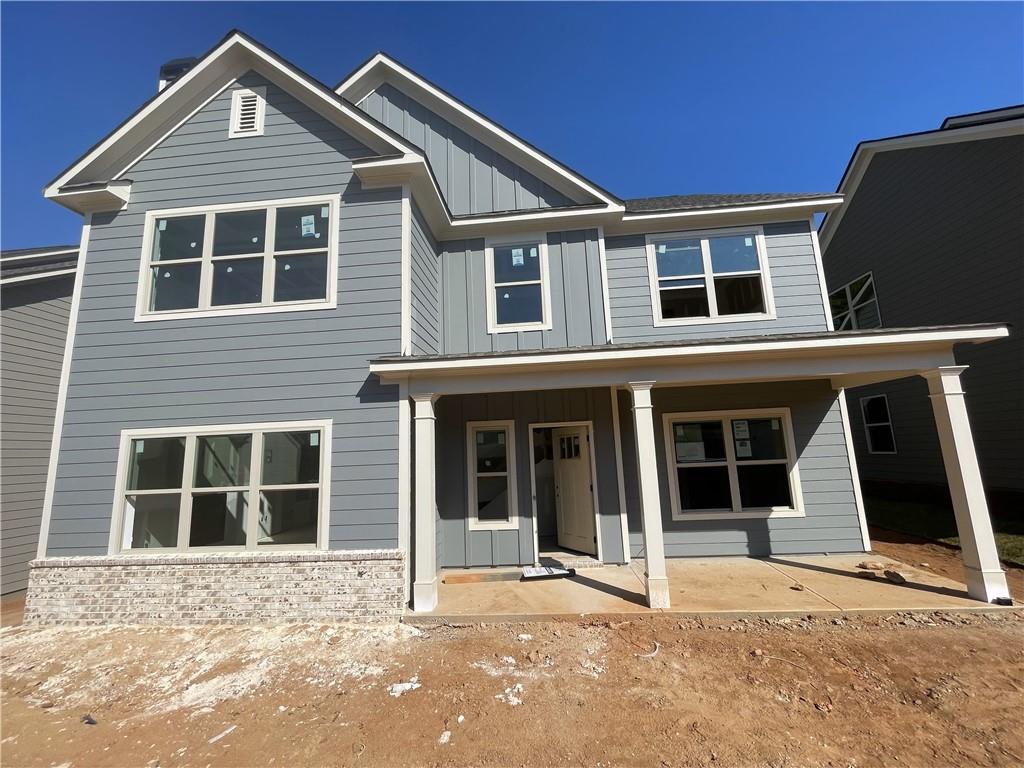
column 936, row 521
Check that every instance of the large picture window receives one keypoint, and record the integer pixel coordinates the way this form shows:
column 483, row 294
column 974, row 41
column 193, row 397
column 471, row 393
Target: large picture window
column 855, row 305
column 709, row 277
column 256, row 257
column 739, row 463
column 490, row 449
column 518, row 293
column 223, row 488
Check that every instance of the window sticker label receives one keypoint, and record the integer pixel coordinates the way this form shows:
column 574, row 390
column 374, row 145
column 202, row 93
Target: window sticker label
column 661, row 248
column 501, row 438
column 690, row 452
column 479, row 438
column 741, row 429
column 533, row 253
column 308, row 226
column 517, row 257
column 325, row 212
column 743, row 450
column 749, row 242
column 140, row 445
column 162, row 226
column 314, row 439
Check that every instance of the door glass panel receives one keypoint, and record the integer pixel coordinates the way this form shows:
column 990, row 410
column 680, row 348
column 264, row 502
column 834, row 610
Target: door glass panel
column 155, row 463
column 223, row 460
column 492, row 498
column 218, row 519
column 153, row 520
column 704, row 488
column 291, row 457
column 288, row 517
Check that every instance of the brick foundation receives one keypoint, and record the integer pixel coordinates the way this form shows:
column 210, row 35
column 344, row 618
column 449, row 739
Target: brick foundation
column 238, row 587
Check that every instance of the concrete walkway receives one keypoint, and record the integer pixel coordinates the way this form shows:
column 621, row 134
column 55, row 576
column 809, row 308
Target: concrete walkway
column 798, row 585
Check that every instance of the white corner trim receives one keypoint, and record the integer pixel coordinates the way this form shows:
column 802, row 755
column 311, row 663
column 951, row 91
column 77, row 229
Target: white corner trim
column 62, row 391
column 405, row 476
column 851, row 454
column 37, row 276
column 472, row 522
column 822, row 284
column 620, row 475
column 605, row 293
column 534, row 238
column 260, row 92
column 406, row 272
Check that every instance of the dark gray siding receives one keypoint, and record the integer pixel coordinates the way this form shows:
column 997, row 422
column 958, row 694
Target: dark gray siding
column 577, row 304
column 831, row 523
column 33, row 329
column 462, row 547
column 247, row 368
column 426, row 288
column 794, row 279
column 472, row 176
column 942, row 229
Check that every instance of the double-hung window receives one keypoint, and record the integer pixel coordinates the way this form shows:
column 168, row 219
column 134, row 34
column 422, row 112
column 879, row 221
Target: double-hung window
column 878, row 424
column 855, row 305
column 491, row 455
column 255, row 257
column 223, row 488
column 518, row 291
column 739, row 463
column 709, row 277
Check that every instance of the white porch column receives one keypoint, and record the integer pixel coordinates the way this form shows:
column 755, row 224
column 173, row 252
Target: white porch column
column 985, row 578
column 424, row 588
column 650, row 498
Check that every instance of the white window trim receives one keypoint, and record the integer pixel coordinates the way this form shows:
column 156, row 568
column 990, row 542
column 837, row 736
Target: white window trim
column 512, row 524
column 652, row 241
column 867, row 432
column 851, row 301
column 114, row 546
column 143, row 314
column 541, row 240
column 797, row 510
column 260, row 92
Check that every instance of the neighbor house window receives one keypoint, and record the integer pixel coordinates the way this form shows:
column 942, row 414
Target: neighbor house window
column 224, row 488
column 878, row 424
column 727, row 464
column 705, row 277
column 243, row 258
column 490, row 448
column 518, row 294
column 855, row 306
column 248, row 110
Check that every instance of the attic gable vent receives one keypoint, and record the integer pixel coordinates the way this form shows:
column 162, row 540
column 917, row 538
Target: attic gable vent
column 248, row 107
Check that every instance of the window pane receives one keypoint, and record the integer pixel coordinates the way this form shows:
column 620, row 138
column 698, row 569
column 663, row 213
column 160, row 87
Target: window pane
column 301, row 227
column 688, row 302
column 516, row 263
column 223, row 460
column 837, row 301
column 238, row 281
column 698, row 441
column 491, row 451
column 180, row 238
column 882, row 440
column 867, row 315
column 876, row 410
column 239, row 232
column 218, row 519
column 758, row 439
column 288, row 517
column 858, row 285
column 518, row 304
column 156, row 462
column 291, row 457
column 704, row 488
column 764, row 485
column 300, row 277
column 679, row 257
column 153, row 520
column 492, row 498
column 175, row 287
column 739, row 295
column 734, row 253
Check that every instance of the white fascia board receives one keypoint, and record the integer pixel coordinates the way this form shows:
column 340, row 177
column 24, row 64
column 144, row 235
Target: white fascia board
column 792, row 210
column 39, row 255
column 848, row 344
column 113, row 196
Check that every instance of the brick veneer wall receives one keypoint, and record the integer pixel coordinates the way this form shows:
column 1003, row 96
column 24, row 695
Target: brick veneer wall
column 238, row 587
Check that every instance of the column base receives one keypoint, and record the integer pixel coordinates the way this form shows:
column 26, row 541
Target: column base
column 424, row 595
column 985, row 585
column 657, row 593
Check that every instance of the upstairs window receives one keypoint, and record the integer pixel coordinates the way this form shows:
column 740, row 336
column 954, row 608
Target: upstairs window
column 878, row 424
column 254, row 257
column 707, row 277
column 518, row 293
column 248, row 110
column 855, row 306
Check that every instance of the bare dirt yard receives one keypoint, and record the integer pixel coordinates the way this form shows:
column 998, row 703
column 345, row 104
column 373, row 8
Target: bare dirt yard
column 935, row 689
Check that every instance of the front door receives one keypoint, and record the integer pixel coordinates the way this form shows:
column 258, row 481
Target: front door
column 574, row 490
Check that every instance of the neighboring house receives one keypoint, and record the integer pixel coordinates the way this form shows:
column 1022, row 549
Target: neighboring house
column 932, row 231
column 35, row 300
column 327, row 343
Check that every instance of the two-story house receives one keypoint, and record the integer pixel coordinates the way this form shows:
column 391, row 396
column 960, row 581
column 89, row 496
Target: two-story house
column 328, row 342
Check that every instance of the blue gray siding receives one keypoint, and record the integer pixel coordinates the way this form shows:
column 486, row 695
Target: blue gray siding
column 245, row 368
column 472, row 176
column 577, row 304
column 794, row 279
column 426, row 288
column 831, row 523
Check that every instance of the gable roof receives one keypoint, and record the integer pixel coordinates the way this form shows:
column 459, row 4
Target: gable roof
column 24, row 264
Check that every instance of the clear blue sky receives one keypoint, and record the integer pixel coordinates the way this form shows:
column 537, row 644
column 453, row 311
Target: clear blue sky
column 645, row 99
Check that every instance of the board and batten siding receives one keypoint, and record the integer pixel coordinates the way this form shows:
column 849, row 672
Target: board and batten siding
column 473, row 177
column 33, row 329
column 831, row 523
column 577, row 303
column 425, row 310
column 244, row 368
column 791, row 266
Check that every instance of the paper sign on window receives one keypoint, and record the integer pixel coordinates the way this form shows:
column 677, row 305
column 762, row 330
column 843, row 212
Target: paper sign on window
column 314, row 439
column 533, row 253
column 749, row 242
column 743, row 450
column 501, row 438
column 308, row 226
column 690, row 452
column 741, row 429
column 517, row 257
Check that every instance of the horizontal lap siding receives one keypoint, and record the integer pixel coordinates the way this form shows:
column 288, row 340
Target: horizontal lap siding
column 794, row 277
column 425, row 288
column 831, row 523
column 473, row 177
column 33, row 330
column 251, row 368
